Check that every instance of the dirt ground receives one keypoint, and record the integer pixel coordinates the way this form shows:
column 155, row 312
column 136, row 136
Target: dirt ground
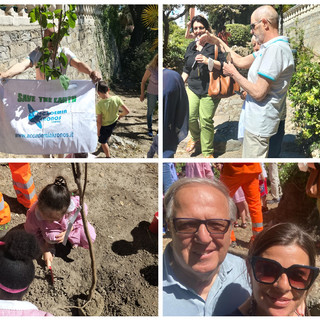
column 122, row 199
column 129, row 139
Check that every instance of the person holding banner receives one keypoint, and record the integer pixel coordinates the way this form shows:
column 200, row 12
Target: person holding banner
column 38, row 116
column 35, row 55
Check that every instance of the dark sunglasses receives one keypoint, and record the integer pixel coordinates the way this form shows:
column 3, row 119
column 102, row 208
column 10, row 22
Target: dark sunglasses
column 191, row 226
column 268, row 271
column 252, row 25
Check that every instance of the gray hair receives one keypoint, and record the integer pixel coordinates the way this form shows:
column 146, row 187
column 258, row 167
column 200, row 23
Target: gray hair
column 169, row 199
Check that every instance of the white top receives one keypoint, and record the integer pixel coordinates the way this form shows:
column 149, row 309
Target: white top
column 17, row 305
column 35, row 56
column 273, row 61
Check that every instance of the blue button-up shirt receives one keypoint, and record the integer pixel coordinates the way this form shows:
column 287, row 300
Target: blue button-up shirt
column 230, row 289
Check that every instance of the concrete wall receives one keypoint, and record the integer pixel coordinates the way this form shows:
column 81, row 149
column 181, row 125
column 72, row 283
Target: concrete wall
column 18, row 37
column 307, row 18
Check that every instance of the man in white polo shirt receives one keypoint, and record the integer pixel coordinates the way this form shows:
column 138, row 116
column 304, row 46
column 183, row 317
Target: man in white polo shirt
column 269, row 76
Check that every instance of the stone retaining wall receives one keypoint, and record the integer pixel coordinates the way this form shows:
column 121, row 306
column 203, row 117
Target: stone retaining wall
column 306, row 17
column 18, row 37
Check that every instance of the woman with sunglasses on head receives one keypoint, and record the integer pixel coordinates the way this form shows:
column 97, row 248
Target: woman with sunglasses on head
column 202, row 107
column 281, row 266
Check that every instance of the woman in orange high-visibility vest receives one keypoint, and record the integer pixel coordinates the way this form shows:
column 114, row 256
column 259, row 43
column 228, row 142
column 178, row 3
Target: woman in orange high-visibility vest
column 23, row 184
column 245, row 175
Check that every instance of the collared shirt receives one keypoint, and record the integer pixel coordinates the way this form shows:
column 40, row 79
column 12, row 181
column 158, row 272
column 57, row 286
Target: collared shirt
column 274, row 61
column 230, row 289
column 198, row 80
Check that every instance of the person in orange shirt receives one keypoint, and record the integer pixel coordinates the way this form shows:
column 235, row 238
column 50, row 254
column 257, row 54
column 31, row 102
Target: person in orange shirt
column 245, row 175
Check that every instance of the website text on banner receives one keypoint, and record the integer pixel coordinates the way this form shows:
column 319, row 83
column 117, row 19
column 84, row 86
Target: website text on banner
column 40, row 117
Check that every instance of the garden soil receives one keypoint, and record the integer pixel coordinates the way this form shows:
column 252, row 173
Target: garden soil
column 122, row 200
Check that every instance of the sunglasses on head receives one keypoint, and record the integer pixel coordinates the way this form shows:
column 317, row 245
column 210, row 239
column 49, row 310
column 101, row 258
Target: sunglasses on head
column 268, row 271
column 191, row 226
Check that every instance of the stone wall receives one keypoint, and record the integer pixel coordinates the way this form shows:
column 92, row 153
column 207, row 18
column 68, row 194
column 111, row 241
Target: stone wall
column 18, row 37
column 306, row 17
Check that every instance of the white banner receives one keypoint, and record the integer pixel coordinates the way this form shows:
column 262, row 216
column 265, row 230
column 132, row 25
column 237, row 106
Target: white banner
column 40, row 117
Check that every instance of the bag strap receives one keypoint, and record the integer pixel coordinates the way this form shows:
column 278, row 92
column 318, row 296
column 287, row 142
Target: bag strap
column 215, row 52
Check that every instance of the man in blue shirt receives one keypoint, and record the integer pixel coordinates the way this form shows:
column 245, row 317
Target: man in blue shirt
column 199, row 277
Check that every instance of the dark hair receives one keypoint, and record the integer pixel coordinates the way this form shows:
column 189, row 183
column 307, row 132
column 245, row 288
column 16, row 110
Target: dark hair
column 16, row 265
column 55, row 196
column 103, row 87
column 202, row 20
column 283, row 234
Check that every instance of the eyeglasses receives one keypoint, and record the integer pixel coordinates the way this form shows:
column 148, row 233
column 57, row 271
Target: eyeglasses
column 191, row 226
column 268, row 271
column 252, row 25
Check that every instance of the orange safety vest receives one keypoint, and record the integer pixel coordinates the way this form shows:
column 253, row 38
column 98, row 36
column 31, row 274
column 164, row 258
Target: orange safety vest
column 5, row 215
column 23, row 184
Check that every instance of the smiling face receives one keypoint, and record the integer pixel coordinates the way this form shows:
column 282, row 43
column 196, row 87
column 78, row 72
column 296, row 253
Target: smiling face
column 198, row 29
column 200, row 253
column 279, row 299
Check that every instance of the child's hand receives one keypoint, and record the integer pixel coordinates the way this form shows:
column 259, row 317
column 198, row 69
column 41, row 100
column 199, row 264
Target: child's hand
column 48, row 257
column 60, row 236
column 142, row 97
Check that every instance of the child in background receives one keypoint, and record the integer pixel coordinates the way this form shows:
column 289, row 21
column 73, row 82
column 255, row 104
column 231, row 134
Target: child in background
column 48, row 219
column 151, row 73
column 107, row 110
column 17, row 273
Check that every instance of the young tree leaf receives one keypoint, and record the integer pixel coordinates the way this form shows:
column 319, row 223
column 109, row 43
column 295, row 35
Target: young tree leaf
column 64, row 81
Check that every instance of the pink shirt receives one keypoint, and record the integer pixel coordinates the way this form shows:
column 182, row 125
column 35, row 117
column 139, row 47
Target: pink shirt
column 200, row 170
column 153, row 81
column 20, row 308
column 46, row 231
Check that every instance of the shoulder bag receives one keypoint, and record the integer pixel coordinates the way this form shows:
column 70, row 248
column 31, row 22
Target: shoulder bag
column 221, row 86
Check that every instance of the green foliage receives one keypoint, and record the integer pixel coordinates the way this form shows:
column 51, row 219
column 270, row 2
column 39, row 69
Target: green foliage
column 149, row 18
column 290, row 173
column 177, row 46
column 50, row 43
column 240, row 34
column 304, row 92
column 135, row 62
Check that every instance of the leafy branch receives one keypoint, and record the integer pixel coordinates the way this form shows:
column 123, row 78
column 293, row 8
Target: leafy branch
column 54, row 27
column 149, row 18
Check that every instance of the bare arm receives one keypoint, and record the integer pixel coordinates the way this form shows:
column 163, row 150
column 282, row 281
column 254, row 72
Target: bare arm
column 84, row 68
column 257, row 90
column 16, row 69
column 188, row 34
column 145, row 78
column 184, row 76
column 239, row 61
column 124, row 112
column 99, row 123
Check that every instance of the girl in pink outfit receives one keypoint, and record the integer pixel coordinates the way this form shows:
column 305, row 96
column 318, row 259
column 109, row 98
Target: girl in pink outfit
column 17, row 273
column 49, row 219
